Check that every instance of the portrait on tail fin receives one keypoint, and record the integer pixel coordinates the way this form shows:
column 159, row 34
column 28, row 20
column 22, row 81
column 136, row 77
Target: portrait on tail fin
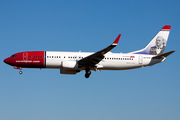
column 159, row 47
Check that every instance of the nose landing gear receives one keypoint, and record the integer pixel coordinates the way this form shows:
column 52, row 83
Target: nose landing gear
column 15, row 67
column 20, row 72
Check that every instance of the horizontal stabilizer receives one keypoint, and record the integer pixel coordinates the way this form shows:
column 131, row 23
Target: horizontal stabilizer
column 163, row 55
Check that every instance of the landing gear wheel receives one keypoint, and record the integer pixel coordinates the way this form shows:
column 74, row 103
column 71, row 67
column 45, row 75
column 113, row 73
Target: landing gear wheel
column 20, row 72
column 88, row 74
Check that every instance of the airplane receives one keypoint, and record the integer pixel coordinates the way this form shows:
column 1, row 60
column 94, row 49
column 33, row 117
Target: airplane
column 74, row 62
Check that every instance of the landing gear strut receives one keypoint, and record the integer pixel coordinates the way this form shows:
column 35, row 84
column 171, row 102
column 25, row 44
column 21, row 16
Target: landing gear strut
column 88, row 72
column 15, row 67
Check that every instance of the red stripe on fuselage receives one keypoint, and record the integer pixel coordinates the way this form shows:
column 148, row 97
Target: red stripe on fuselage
column 29, row 59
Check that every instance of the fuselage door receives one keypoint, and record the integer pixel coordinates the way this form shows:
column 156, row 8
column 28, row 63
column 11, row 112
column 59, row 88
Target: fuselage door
column 140, row 59
column 25, row 56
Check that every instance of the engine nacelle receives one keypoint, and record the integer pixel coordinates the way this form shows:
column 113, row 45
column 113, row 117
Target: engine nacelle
column 62, row 71
column 69, row 65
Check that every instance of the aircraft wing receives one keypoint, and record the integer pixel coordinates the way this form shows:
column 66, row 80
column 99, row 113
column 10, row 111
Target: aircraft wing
column 95, row 58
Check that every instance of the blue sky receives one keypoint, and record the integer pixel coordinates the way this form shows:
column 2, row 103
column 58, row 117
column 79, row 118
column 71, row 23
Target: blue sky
column 146, row 93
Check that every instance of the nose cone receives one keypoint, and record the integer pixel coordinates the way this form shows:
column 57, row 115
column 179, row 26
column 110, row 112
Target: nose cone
column 7, row 61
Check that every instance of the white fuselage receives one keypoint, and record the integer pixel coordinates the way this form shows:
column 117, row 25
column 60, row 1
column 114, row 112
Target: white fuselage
column 111, row 61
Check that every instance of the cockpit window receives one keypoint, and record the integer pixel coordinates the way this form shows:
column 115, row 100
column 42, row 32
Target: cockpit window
column 13, row 55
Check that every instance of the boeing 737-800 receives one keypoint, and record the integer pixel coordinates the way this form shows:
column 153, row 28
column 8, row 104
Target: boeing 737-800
column 74, row 62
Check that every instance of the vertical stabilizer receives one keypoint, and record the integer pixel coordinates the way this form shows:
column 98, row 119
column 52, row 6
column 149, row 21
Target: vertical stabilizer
column 157, row 45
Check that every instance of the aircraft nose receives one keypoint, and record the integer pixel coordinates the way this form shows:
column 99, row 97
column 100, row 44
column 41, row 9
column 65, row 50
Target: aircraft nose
column 7, row 61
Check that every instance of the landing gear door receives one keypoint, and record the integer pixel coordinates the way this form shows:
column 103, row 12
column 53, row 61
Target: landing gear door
column 140, row 59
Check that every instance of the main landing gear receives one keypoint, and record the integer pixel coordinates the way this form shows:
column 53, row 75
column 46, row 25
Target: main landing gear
column 88, row 72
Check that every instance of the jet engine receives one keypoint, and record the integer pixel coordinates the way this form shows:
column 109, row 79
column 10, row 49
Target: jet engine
column 69, row 65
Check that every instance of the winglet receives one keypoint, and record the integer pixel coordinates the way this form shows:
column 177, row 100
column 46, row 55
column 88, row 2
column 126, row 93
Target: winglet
column 116, row 40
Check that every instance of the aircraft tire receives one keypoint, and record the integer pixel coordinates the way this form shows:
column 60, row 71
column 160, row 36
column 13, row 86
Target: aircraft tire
column 88, row 73
column 20, row 72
